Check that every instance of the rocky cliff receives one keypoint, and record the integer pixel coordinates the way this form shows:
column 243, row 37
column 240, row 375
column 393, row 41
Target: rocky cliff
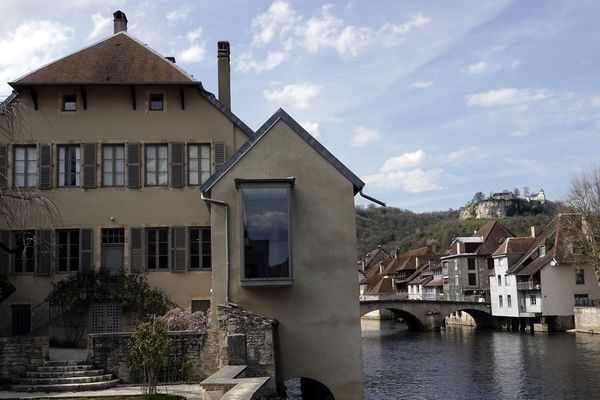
column 487, row 209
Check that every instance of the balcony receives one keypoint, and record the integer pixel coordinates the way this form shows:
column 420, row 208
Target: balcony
column 530, row 285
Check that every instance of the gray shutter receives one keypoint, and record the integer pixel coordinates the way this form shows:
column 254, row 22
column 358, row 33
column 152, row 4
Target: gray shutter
column 3, row 165
column 136, row 250
column 178, row 249
column 43, row 251
column 4, row 255
column 45, row 166
column 133, row 165
column 220, row 155
column 89, row 165
column 86, row 249
column 177, row 175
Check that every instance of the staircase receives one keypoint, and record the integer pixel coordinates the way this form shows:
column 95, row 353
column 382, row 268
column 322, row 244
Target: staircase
column 65, row 376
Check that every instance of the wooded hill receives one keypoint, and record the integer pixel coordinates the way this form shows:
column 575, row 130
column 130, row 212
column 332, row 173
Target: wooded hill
column 402, row 230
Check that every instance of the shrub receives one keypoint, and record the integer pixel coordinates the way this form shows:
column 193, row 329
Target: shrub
column 178, row 319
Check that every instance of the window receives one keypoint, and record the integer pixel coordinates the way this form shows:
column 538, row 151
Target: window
column 582, row 300
column 579, row 277
column 200, row 305
column 200, row 248
column 499, row 280
column 157, row 170
column 157, row 249
column 25, row 166
column 68, row 166
column 21, row 319
column 471, row 264
column 113, row 165
column 113, row 249
column 533, row 299
column 156, row 102
column 509, row 301
column 68, row 250
column 69, row 102
column 506, row 281
column 24, row 245
column 500, row 301
column 266, row 232
column 198, row 163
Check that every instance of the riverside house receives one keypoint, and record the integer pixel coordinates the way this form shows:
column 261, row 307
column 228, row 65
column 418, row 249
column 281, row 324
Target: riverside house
column 153, row 174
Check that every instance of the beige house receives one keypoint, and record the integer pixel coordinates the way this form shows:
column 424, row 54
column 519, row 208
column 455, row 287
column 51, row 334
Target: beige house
column 152, row 174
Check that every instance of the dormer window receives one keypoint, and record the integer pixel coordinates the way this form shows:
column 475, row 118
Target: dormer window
column 156, row 102
column 69, row 103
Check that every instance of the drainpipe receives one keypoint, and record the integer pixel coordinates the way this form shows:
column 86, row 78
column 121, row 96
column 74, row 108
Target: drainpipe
column 227, row 257
column 374, row 200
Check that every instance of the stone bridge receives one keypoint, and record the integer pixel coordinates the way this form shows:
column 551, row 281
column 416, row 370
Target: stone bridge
column 425, row 314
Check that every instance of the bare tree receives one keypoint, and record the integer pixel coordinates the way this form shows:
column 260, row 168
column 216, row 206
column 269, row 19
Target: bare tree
column 584, row 199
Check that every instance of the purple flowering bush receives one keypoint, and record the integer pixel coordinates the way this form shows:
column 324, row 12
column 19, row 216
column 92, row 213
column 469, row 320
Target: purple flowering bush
column 178, row 319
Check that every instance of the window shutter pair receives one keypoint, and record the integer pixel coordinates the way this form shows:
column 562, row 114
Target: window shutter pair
column 178, row 250
column 89, row 165
column 4, row 255
column 133, row 165
column 43, row 251
column 86, row 240
column 220, row 154
column 3, row 165
column 45, row 181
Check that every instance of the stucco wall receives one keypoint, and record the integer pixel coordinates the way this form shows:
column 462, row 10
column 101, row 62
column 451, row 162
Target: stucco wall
column 319, row 330
column 559, row 288
column 587, row 319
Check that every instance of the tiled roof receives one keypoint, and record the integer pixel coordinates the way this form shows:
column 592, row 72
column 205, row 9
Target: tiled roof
column 514, row 245
column 420, row 280
column 380, row 285
column 435, row 282
column 491, row 235
column 119, row 59
column 408, row 260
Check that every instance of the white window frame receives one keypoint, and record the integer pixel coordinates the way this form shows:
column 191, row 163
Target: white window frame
column 28, row 163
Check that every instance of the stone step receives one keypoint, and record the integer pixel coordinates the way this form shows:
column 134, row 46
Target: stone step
column 64, row 374
column 65, row 368
column 58, row 363
column 60, row 380
column 67, row 387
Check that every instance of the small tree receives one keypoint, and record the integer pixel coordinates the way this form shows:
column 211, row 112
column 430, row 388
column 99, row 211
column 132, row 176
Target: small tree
column 525, row 191
column 516, row 193
column 478, row 197
column 149, row 347
column 584, row 199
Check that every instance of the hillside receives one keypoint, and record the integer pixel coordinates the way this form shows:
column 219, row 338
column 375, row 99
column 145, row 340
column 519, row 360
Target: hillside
column 397, row 229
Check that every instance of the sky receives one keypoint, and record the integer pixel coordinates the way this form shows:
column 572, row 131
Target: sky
column 427, row 102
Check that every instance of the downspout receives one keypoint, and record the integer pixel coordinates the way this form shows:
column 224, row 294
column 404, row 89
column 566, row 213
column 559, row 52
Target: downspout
column 227, row 257
column 374, row 200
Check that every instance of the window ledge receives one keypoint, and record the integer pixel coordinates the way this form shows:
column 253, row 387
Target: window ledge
column 267, row 282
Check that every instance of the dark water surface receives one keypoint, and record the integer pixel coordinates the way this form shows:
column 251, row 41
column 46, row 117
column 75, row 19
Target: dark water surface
column 465, row 363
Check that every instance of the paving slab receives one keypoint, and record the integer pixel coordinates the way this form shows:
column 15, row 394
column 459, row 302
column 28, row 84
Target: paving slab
column 189, row 391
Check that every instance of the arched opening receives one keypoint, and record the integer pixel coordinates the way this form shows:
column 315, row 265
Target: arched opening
column 306, row 389
column 412, row 322
column 471, row 317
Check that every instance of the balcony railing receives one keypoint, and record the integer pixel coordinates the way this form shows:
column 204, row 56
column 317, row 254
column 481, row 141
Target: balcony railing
column 529, row 285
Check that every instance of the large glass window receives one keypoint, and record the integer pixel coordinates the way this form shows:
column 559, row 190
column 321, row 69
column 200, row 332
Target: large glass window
column 198, row 163
column 113, row 165
column 266, row 232
column 68, row 250
column 200, row 256
column 68, row 166
column 24, row 242
column 157, row 249
column 25, row 166
column 157, row 169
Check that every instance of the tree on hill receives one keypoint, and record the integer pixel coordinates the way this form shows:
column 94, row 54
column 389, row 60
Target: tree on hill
column 478, row 197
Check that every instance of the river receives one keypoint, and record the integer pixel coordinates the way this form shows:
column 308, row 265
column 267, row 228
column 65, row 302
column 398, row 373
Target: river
column 467, row 364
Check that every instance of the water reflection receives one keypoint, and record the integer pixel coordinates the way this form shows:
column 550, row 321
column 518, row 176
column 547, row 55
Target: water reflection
column 465, row 363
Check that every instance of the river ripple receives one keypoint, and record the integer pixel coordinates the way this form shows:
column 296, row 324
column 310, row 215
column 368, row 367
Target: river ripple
column 465, row 363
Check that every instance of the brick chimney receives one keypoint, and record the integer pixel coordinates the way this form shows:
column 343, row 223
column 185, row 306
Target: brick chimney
column 120, row 21
column 224, row 73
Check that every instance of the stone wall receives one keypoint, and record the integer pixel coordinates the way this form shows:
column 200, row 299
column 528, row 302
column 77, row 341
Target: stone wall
column 587, row 319
column 460, row 318
column 193, row 356
column 18, row 354
column 251, row 340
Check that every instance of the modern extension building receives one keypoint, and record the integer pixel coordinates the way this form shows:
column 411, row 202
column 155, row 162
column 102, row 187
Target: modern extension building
column 152, row 174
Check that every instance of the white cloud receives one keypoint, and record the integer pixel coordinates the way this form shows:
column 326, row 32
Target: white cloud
column 363, row 135
column 421, row 84
column 279, row 19
column 507, row 96
column 312, row 128
column 29, row 46
column 393, row 34
column 519, row 133
column 596, row 101
column 296, row 94
column 101, row 22
column 412, row 181
column 246, row 62
column 177, row 15
column 196, row 51
column 482, row 68
column 465, row 155
column 406, row 160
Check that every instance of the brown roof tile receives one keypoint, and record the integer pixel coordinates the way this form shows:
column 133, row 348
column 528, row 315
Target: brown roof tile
column 119, row 59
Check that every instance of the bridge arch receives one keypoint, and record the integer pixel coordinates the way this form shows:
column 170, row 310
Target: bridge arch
column 412, row 321
column 307, row 388
column 483, row 319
